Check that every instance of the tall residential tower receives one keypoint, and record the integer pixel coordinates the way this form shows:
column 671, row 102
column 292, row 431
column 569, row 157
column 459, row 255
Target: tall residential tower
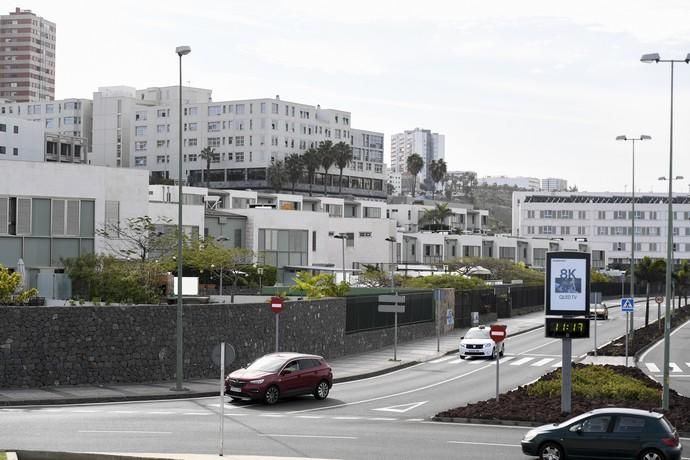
column 27, row 57
column 430, row 146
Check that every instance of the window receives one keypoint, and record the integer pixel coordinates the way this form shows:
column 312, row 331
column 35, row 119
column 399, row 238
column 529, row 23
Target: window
column 530, row 214
column 601, row 215
column 274, row 108
column 262, row 107
column 140, row 145
column 652, row 247
column 192, row 126
column 193, row 111
column 160, row 159
column 192, row 142
column 565, row 230
column 139, row 161
column 163, row 128
column 50, row 123
column 192, row 157
column 239, row 109
column 162, row 113
column 597, row 424
column 620, row 215
column 213, row 126
column 239, row 141
column 140, row 131
column 15, row 151
column 140, row 116
column 546, row 214
column 214, row 141
column 65, row 121
column 214, row 110
column 239, row 157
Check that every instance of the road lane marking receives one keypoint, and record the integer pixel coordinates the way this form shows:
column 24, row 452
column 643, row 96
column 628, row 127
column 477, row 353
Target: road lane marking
column 440, row 360
column 197, row 413
column 495, row 444
column 310, row 416
column 346, row 417
column 644, row 355
column 521, row 361
column 652, row 367
column 542, row 362
column 306, row 436
column 675, row 367
column 414, row 419
column 160, row 413
column 456, row 361
column 557, row 364
column 539, row 346
column 383, row 419
column 400, row 408
column 124, row 432
column 414, row 390
column 272, row 415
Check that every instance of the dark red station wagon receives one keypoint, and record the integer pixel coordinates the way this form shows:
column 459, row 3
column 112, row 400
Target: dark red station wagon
column 279, row 375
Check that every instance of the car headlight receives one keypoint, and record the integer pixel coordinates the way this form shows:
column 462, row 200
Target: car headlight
column 530, row 435
column 488, row 345
column 257, row 381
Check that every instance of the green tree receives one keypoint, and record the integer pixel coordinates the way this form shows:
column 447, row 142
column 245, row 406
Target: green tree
column 326, row 159
column 321, row 285
column 445, row 281
column 468, row 182
column 438, row 170
column 208, row 255
column 208, row 154
column 434, row 219
column 311, row 162
column 139, row 238
column 10, row 292
column 276, row 175
column 414, row 164
column 649, row 271
column 342, row 154
column 504, row 269
column 294, row 168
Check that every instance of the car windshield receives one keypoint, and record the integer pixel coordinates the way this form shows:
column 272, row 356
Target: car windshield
column 575, row 419
column 267, row 364
column 477, row 334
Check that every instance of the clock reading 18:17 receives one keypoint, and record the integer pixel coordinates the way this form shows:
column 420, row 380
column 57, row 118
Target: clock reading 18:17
column 574, row 328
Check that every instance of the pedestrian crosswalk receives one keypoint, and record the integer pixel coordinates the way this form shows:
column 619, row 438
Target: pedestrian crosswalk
column 533, row 361
column 673, row 368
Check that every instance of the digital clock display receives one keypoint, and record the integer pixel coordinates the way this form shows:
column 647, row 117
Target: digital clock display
column 560, row 328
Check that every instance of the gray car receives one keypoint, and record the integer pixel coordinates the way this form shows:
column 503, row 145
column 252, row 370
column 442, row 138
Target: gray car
column 606, row 433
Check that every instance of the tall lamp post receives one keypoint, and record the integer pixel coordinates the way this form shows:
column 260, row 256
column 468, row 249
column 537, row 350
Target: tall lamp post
column 649, row 58
column 342, row 237
column 181, row 51
column 392, row 240
column 643, row 137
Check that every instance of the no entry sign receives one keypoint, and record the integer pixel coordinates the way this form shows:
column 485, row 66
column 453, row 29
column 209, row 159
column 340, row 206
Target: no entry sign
column 498, row 332
column 276, row 304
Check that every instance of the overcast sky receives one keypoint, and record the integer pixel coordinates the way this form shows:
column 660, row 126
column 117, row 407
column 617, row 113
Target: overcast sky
column 530, row 88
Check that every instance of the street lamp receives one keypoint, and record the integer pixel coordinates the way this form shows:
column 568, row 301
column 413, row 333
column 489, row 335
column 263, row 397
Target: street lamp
column 181, row 51
column 643, row 137
column 342, row 237
column 649, row 58
column 392, row 240
column 220, row 277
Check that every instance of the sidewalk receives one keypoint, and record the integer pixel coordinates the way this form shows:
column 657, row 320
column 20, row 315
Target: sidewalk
column 346, row 368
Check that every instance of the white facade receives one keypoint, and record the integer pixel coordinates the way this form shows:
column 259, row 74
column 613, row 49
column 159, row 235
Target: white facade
column 529, row 183
column 395, row 179
column 430, row 146
column 553, row 184
column 20, row 140
column 605, row 218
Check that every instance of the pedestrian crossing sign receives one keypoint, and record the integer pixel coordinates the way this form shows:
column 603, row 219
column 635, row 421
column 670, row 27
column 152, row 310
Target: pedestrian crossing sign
column 627, row 304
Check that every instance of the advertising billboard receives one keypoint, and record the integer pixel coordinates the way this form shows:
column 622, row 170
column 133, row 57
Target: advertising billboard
column 567, row 283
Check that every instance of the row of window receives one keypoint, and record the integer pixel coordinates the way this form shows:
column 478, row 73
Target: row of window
column 600, row 215
column 602, row 231
column 35, row 109
column 650, row 247
column 3, row 128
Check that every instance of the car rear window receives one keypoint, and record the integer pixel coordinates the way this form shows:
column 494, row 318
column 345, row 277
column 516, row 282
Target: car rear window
column 666, row 425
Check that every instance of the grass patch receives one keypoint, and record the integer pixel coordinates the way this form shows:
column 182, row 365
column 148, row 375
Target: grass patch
column 596, row 382
column 3, row 456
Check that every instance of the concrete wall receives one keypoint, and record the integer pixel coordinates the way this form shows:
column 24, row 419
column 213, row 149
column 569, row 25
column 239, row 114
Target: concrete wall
column 72, row 345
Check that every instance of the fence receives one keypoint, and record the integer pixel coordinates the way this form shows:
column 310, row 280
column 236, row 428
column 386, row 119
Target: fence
column 362, row 313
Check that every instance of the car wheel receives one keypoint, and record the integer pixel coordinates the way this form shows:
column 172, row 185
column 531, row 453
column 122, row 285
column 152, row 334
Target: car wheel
column 551, row 451
column 462, row 356
column 651, row 454
column 494, row 353
column 235, row 399
column 272, row 395
column 503, row 349
column 322, row 390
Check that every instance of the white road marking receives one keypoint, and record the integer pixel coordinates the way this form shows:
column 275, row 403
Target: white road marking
column 382, row 419
column 652, row 367
column 197, row 413
column 542, row 362
column 123, row 412
column 557, row 364
column 306, row 436
column 456, row 361
column 310, row 416
column 539, row 346
column 160, row 413
column 506, row 358
column 401, row 408
column 124, row 432
column 521, row 361
column 483, row 444
column 414, row 420
column 644, row 355
column 272, row 415
column 675, row 367
column 440, row 360
column 344, row 417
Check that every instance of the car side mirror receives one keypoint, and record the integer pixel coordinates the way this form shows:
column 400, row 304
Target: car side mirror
column 576, row 428
column 285, row 372
column 462, row 337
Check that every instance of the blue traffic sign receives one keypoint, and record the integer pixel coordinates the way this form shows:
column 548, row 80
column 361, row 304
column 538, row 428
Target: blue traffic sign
column 627, row 304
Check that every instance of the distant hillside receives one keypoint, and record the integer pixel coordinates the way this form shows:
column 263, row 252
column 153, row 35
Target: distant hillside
column 498, row 200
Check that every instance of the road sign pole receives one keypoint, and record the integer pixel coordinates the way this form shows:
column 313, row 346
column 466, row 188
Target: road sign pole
column 277, row 331
column 498, row 360
column 395, row 338
column 627, row 314
column 222, row 397
column 566, row 375
column 595, row 332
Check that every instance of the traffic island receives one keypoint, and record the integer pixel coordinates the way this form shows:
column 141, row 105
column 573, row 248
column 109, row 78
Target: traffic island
column 594, row 386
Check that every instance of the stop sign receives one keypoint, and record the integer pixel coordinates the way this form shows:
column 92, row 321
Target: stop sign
column 498, row 332
column 276, row 304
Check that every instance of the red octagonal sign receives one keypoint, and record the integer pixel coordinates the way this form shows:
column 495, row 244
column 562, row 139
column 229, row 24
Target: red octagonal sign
column 276, row 304
column 498, row 332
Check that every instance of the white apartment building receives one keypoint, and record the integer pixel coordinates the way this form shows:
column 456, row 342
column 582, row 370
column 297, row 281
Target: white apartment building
column 554, row 184
column 529, row 183
column 65, row 117
column 25, row 140
column 605, row 218
column 430, row 146
column 395, row 179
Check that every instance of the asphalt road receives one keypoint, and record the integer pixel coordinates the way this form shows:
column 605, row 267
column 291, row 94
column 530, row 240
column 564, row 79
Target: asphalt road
column 384, row 417
column 652, row 361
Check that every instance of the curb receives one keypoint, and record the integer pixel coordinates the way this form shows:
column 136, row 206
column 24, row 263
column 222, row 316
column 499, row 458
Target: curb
column 48, row 455
column 367, row 375
column 81, row 400
column 487, row 421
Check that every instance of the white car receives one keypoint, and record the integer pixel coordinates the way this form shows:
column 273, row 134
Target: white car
column 478, row 342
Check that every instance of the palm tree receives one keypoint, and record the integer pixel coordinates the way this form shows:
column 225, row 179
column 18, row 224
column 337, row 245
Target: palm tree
column 294, row 168
column 649, row 271
column 435, row 218
column 311, row 162
column 208, row 154
column 342, row 153
column 415, row 163
column 276, row 173
column 326, row 158
column 438, row 169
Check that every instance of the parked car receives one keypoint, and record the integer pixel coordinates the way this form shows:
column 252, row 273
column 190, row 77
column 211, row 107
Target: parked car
column 478, row 342
column 599, row 311
column 606, row 433
column 279, row 375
